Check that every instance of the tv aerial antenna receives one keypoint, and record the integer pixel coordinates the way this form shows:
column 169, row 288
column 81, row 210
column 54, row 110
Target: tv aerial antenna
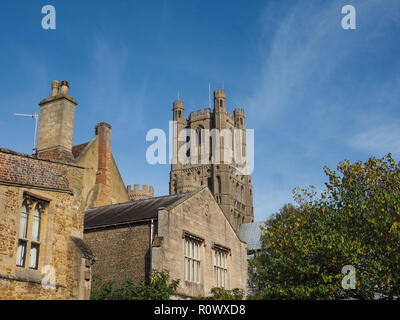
column 209, row 95
column 36, row 117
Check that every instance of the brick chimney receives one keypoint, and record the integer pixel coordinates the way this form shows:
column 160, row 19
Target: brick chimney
column 56, row 124
column 102, row 191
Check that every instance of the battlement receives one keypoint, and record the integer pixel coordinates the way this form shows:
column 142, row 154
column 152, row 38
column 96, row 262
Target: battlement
column 140, row 193
column 178, row 104
column 220, row 93
column 199, row 114
column 238, row 112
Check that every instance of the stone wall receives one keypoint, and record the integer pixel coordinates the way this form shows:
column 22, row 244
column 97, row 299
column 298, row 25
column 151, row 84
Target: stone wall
column 122, row 253
column 200, row 216
column 118, row 190
column 59, row 185
column 89, row 160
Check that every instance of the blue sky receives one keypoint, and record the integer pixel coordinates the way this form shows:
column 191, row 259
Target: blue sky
column 315, row 93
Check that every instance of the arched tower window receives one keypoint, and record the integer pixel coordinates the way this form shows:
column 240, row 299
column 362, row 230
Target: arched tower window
column 199, row 133
column 187, row 146
column 211, row 148
column 238, row 192
column 219, row 185
column 210, row 184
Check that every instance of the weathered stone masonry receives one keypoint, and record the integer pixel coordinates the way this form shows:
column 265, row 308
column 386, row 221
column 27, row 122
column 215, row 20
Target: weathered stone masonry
column 58, row 184
column 123, row 251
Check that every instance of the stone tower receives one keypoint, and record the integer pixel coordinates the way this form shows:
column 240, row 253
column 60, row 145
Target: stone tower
column 213, row 137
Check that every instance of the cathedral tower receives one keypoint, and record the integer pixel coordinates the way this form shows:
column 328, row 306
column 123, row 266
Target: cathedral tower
column 217, row 135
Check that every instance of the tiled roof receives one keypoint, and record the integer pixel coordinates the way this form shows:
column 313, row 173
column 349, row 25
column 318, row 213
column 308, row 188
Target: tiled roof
column 129, row 211
column 250, row 233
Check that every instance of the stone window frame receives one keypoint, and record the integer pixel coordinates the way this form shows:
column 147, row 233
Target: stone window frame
column 32, row 203
column 220, row 262
column 192, row 257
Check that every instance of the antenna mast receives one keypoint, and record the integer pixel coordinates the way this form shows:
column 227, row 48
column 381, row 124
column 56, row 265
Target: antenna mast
column 209, row 95
column 36, row 117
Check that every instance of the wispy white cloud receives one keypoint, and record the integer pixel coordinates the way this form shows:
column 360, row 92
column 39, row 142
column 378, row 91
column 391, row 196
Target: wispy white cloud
column 378, row 140
column 305, row 51
column 318, row 91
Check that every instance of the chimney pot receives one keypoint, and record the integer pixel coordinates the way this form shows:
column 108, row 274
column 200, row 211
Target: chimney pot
column 64, row 87
column 54, row 88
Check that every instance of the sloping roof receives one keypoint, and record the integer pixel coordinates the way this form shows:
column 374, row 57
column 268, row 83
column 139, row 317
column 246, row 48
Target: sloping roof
column 80, row 149
column 84, row 248
column 35, row 157
column 129, row 211
column 76, row 150
column 250, row 233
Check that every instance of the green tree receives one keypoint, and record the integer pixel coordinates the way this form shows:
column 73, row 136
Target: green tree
column 223, row 294
column 354, row 221
column 159, row 286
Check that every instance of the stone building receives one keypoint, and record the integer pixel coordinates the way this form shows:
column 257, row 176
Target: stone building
column 43, row 198
column 223, row 174
column 41, row 216
column 186, row 234
column 206, row 206
column 65, row 212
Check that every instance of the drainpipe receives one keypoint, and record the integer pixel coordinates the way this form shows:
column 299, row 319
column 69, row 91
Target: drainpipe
column 151, row 242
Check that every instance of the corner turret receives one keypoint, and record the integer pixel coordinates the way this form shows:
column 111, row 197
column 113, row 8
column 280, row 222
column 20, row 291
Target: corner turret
column 219, row 100
column 239, row 118
column 179, row 110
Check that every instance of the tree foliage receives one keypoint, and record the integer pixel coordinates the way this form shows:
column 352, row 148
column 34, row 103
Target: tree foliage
column 159, row 286
column 354, row 221
column 223, row 294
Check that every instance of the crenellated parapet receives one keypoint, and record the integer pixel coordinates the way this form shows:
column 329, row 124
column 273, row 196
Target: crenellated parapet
column 238, row 112
column 139, row 193
column 200, row 115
